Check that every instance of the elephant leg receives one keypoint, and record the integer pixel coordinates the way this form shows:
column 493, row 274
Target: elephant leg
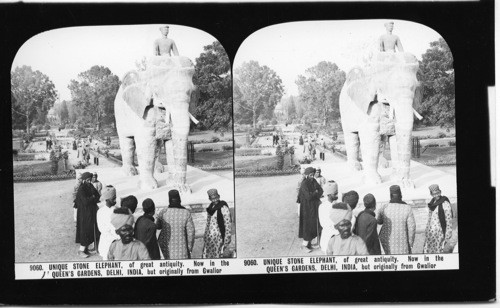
column 382, row 161
column 180, row 131
column 158, row 168
column 404, row 127
column 146, row 149
column 127, row 148
column 352, row 149
column 394, row 155
column 370, row 147
column 169, row 153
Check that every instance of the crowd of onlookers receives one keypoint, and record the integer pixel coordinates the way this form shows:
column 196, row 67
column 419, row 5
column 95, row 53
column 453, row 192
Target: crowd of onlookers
column 338, row 227
column 104, row 228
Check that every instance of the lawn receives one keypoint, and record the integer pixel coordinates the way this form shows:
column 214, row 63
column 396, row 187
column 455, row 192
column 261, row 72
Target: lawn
column 437, row 155
column 216, row 158
column 260, row 162
column 35, row 168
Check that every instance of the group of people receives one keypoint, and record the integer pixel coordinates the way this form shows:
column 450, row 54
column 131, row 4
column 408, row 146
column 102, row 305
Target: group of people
column 311, row 146
column 337, row 229
column 49, row 143
column 83, row 147
column 277, row 135
column 111, row 231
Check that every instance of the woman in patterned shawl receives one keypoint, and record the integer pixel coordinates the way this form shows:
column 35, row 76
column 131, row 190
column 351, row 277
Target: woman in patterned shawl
column 218, row 231
column 176, row 237
column 438, row 231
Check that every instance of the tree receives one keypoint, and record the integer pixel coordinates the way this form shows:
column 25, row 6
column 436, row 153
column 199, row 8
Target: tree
column 320, row 90
column 74, row 112
column 291, row 110
column 213, row 78
column 437, row 78
column 260, row 88
column 33, row 94
column 61, row 110
column 94, row 92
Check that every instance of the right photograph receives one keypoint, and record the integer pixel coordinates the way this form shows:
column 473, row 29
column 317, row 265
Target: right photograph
column 344, row 137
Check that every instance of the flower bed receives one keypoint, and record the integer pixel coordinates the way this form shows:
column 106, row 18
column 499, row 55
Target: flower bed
column 216, row 167
column 28, row 157
column 249, row 152
column 45, row 177
column 42, row 171
column 213, row 140
column 265, row 172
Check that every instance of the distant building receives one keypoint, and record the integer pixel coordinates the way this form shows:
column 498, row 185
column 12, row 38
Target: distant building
column 279, row 112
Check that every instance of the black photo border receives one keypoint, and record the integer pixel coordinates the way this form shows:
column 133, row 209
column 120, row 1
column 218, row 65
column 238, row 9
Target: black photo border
column 467, row 27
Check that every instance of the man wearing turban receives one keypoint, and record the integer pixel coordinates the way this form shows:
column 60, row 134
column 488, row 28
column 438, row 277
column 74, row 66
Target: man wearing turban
column 325, row 210
column 366, row 226
column 309, row 197
column 176, row 237
column 344, row 243
column 398, row 224
column 145, row 229
column 86, row 224
column 108, row 234
column 127, row 248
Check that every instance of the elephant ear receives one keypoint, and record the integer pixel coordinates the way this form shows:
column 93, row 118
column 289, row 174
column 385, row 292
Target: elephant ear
column 358, row 89
column 195, row 96
column 135, row 94
column 417, row 99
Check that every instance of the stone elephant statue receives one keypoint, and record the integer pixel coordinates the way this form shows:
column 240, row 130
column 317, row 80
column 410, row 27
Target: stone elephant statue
column 152, row 109
column 376, row 103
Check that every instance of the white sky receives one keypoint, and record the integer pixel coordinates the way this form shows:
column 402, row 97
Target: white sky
column 63, row 53
column 291, row 48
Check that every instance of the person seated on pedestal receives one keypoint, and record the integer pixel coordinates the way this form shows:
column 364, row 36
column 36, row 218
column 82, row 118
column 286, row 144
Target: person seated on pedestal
column 388, row 42
column 164, row 46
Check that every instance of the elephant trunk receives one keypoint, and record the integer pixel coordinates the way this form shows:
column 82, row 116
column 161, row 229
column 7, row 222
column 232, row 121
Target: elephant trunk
column 146, row 149
column 177, row 149
column 370, row 139
column 404, row 126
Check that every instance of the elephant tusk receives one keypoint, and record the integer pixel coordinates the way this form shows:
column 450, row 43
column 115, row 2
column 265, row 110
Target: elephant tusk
column 419, row 117
column 193, row 119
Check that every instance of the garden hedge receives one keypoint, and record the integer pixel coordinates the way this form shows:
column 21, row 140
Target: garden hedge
column 45, row 177
column 269, row 172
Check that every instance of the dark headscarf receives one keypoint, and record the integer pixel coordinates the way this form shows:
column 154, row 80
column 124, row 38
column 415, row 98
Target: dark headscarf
column 148, row 206
column 369, row 201
column 439, row 204
column 351, row 198
column 220, row 219
column 309, row 170
column 174, row 199
column 86, row 175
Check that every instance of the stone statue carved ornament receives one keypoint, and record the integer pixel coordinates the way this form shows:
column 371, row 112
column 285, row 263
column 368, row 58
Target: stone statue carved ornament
column 152, row 109
column 392, row 77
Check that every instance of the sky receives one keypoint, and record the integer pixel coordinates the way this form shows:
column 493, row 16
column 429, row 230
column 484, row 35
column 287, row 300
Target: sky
column 62, row 54
column 291, row 48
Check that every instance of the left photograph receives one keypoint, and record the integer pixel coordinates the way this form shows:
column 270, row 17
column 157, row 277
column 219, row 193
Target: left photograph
column 122, row 145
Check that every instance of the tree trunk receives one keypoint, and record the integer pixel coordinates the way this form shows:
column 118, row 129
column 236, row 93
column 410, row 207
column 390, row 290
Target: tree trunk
column 27, row 124
column 254, row 118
